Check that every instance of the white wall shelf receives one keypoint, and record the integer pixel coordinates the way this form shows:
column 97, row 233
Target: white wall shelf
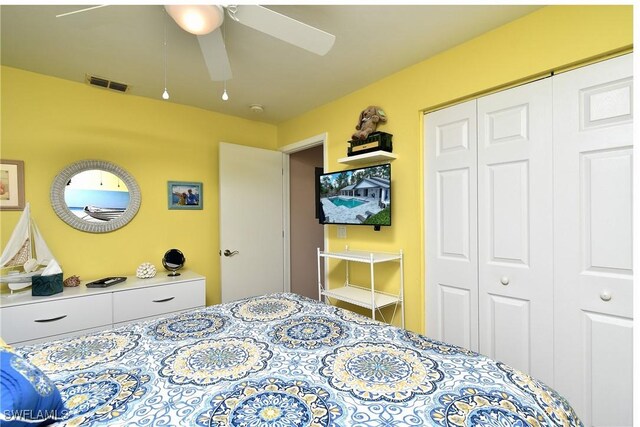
column 362, row 296
column 372, row 157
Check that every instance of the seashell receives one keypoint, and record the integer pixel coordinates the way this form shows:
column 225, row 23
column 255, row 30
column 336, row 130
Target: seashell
column 146, row 270
column 71, row 281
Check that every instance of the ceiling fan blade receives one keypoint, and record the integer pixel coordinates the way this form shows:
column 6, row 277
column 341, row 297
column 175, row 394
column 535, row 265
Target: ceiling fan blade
column 215, row 55
column 284, row 28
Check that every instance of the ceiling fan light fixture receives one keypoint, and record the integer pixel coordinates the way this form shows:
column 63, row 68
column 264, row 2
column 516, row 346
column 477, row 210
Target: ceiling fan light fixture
column 196, row 19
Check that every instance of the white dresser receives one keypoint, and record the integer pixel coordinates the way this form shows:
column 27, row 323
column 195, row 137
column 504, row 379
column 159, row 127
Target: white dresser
column 27, row 319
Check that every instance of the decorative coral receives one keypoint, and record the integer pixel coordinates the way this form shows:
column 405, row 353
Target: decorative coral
column 146, row 270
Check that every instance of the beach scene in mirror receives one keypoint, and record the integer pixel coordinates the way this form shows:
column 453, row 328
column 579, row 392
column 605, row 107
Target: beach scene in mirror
column 96, row 196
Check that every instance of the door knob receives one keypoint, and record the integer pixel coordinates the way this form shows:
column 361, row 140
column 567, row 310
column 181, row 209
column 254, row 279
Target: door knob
column 227, row 252
column 605, row 295
column 504, row 280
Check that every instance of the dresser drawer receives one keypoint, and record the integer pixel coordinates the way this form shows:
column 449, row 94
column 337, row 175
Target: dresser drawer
column 157, row 300
column 46, row 319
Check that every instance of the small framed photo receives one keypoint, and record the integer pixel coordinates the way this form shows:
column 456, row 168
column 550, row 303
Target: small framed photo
column 185, row 195
column 11, row 185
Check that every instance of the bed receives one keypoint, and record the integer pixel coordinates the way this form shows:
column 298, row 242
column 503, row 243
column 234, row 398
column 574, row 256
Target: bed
column 284, row 360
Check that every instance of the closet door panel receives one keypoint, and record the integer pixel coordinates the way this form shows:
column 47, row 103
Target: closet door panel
column 455, row 310
column 508, row 213
column 509, row 327
column 453, row 204
column 607, row 214
column 593, row 125
column 609, row 376
column 515, row 228
column 450, row 226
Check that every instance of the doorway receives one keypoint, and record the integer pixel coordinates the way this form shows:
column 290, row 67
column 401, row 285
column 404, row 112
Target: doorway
column 305, row 232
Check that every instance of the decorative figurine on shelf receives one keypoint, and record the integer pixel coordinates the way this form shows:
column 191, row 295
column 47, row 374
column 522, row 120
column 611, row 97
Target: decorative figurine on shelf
column 367, row 139
column 146, row 270
column 368, row 121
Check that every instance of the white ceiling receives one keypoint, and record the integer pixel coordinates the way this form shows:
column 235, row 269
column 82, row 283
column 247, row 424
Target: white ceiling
column 125, row 44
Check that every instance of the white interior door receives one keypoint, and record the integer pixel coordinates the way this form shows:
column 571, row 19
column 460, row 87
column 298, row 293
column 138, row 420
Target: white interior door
column 451, row 225
column 593, row 125
column 251, row 221
column 515, row 228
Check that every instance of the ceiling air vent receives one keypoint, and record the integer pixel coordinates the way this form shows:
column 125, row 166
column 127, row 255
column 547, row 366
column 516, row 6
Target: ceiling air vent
column 107, row 84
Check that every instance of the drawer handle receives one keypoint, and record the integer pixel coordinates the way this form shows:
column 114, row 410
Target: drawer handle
column 163, row 300
column 53, row 319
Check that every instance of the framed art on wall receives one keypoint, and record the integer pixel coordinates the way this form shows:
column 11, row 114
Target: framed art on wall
column 184, row 195
column 11, row 185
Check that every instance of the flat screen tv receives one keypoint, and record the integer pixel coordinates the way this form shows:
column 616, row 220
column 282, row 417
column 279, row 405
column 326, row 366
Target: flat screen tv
column 356, row 196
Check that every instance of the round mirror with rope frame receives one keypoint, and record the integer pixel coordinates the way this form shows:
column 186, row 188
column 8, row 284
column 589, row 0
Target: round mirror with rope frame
column 94, row 218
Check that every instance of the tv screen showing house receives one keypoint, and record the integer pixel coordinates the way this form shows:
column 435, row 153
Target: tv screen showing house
column 356, row 196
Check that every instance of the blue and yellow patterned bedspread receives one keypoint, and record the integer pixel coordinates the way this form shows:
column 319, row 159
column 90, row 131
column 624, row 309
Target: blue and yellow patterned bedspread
column 284, row 360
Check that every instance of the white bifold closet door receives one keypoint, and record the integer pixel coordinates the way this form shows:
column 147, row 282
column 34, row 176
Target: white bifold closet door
column 451, row 231
column 528, row 233
column 515, row 215
column 593, row 149
column 488, row 233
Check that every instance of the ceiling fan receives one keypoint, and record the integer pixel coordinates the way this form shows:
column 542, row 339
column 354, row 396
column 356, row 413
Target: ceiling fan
column 204, row 21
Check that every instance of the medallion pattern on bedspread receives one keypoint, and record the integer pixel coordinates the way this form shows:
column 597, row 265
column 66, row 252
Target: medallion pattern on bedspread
column 190, row 325
column 83, row 352
column 210, row 361
column 272, row 402
column 285, row 360
column 101, row 396
column 474, row 407
column 381, row 371
column 350, row 316
column 425, row 343
column 265, row 309
column 308, row 332
column 552, row 403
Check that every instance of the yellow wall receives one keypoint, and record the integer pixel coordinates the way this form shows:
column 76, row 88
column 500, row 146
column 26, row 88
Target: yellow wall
column 548, row 39
column 50, row 123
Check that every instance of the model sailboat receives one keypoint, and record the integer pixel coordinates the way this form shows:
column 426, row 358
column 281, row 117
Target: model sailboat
column 26, row 254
